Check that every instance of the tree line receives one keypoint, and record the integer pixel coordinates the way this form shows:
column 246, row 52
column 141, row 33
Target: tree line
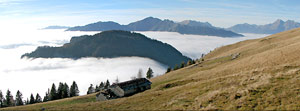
column 182, row 65
column 63, row 91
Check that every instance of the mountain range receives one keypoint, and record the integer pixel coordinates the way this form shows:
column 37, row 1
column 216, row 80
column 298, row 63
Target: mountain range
column 110, row 44
column 155, row 24
column 272, row 28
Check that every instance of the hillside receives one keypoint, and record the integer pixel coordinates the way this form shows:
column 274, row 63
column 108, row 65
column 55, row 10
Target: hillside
column 155, row 24
column 111, row 44
column 272, row 28
column 266, row 75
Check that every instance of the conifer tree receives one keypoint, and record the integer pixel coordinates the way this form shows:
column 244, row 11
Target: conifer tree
column 91, row 89
column 47, row 96
column 38, row 98
column 97, row 88
column 169, row 69
column 60, row 91
column 176, row 67
column 117, row 80
column 74, row 90
column 9, row 99
column 19, row 98
column 66, row 91
column 101, row 85
column 53, row 93
column 45, row 99
column 149, row 73
column 1, row 99
column 107, row 84
column 189, row 63
column 27, row 101
column 194, row 62
column 182, row 65
column 32, row 100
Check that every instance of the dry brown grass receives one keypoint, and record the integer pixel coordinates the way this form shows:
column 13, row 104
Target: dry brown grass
column 265, row 76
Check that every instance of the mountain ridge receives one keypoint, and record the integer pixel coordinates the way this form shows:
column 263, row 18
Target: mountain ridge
column 155, row 24
column 272, row 28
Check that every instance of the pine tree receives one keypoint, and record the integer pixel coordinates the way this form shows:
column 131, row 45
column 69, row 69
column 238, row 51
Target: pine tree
column 9, row 99
column 176, row 67
column 149, row 73
column 32, row 100
column 38, row 98
column 97, row 88
column 1, row 99
column 194, row 62
column 74, row 90
column 182, row 65
column 45, row 99
column 189, row 63
column 53, row 93
column 101, row 85
column 19, row 98
column 91, row 89
column 66, row 91
column 117, row 80
column 27, row 101
column 47, row 96
column 169, row 69
column 107, row 84
column 60, row 90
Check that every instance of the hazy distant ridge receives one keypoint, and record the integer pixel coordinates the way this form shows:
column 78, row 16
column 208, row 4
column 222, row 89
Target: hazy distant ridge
column 56, row 27
column 155, row 24
column 272, row 28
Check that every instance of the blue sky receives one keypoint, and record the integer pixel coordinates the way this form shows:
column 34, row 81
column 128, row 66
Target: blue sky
column 222, row 13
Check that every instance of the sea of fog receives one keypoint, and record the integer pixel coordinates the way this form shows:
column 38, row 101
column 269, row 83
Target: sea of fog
column 37, row 75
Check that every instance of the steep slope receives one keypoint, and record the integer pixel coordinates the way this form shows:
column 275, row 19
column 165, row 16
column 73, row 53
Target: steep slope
column 155, row 24
column 110, row 44
column 265, row 75
column 275, row 27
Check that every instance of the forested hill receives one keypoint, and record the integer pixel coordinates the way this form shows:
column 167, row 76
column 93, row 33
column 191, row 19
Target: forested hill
column 110, row 44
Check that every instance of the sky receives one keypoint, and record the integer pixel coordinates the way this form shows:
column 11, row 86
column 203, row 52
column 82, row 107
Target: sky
column 221, row 13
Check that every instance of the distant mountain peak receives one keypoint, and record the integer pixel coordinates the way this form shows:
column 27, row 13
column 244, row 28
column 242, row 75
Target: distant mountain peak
column 279, row 21
column 151, row 19
column 195, row 23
